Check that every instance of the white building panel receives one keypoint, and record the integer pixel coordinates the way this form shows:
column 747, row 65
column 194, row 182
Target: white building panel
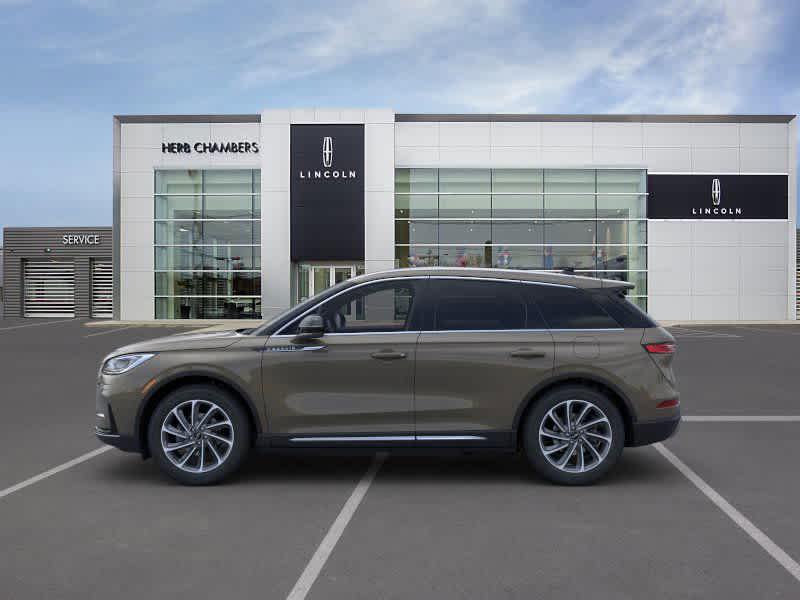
column 713, row 135
column 379, row 158
column 618, row 134
column 668, row 160
column 618, row 156
column 715, row 160
column 764, row 160
column 764, row 135
column 417, row 134
column 514, row 134
column 566, row 134
column 464, row 134
column 666, row 135
column 141, row 135
column 464, row 157
column 520, row 157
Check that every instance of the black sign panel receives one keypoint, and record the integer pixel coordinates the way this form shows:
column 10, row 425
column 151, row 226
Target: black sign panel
column 327, row 192
column 718, row 196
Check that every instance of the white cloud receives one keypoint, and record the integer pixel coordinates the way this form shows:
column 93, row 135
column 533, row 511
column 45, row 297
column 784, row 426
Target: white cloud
column 686, row 56
column 320, row 40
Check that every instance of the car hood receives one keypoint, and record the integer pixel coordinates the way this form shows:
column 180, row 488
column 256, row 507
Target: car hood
column 182, row 341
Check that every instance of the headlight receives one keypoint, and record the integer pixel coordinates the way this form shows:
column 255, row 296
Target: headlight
column 124, row 363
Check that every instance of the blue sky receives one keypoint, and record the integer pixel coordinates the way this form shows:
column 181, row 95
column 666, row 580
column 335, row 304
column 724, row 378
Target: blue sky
column 67, row 66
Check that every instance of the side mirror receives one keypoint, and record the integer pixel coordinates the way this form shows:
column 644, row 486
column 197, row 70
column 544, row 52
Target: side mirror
column 311, row 327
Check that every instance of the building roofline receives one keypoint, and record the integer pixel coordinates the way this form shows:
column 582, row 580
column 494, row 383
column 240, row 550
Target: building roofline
column 484, row 117
column 607, row 118
column 188, row 118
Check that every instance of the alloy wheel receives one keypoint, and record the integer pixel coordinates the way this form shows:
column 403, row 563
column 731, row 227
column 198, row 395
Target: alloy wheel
column 575, row 436
column 197, row 436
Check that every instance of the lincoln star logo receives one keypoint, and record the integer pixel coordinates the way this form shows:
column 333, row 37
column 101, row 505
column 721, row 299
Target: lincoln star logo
column 716, row 209
column 327, row 162
column 327, row 152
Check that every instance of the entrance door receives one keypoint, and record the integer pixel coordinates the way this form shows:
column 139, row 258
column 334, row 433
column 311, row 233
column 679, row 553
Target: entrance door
column 313, row 279
column 49, row 289
column 354, row 384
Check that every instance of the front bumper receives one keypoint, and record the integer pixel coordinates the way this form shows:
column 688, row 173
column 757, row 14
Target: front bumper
column 105, row 427
column 650, row 432
column 123, row 442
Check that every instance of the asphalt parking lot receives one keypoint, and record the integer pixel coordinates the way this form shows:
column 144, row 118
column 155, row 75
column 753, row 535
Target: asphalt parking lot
column 111, row 525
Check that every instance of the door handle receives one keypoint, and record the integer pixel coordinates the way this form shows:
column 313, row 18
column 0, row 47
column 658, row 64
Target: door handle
column 388, row 355
column 527, row 353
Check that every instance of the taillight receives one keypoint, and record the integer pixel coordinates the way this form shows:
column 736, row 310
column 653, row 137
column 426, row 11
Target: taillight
column 662, row 348
column 668, row 403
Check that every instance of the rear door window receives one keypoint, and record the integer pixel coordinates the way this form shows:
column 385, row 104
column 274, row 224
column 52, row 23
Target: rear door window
column 568, row 308
column 478, row 305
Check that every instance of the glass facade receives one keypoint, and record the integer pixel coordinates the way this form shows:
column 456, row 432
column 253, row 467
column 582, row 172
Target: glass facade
column 207, row 244
column 590, row 220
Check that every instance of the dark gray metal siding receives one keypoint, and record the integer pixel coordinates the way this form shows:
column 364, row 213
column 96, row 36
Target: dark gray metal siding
column 29, row 243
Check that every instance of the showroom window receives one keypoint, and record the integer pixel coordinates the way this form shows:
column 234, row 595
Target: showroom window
column 207, row 244
column 593, row 221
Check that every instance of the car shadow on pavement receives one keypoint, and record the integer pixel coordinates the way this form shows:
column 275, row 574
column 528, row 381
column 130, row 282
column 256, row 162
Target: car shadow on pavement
column 637, row 466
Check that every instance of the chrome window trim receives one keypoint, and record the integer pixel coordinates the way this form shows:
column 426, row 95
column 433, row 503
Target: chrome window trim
column 287, row 335
column 402, row 278
column 347, row 289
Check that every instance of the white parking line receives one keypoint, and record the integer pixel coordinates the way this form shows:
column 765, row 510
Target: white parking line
column 742, row 418
column 783, row 330
column 685, row 332
column 109, row 331
column 758, row 536
column 36, row 324
column 50, row 472
column 314, row 566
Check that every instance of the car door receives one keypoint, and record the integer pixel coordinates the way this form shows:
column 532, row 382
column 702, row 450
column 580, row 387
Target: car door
column 355, row 383
column 482, row 350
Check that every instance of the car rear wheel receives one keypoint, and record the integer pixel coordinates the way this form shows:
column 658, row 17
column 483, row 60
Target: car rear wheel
column 199, row 435
column 574, row 435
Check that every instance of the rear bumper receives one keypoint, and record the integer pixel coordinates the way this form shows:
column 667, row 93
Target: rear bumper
column 650, row 432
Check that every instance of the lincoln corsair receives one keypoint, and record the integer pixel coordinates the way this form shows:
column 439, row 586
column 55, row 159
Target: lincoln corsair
column 561, row 368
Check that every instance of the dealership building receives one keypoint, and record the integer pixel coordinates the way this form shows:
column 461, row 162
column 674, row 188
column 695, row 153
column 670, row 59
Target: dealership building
column 241, row 216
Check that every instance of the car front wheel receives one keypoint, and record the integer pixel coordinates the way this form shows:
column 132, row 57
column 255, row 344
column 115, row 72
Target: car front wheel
column 199, row 435
column 574, row 435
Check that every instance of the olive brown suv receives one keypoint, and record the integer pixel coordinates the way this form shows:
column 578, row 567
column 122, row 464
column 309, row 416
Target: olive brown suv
column 559, row 367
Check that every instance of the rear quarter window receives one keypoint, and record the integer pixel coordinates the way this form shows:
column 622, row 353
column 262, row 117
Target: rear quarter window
column 625, row 312
column 568, row 308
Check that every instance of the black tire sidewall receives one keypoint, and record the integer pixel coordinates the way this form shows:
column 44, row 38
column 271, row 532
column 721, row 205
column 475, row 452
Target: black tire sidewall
column 241, row 430
column 530, row 433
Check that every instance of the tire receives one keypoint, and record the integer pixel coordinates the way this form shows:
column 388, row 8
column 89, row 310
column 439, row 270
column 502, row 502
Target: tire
column 207, row 452
column 592, row 455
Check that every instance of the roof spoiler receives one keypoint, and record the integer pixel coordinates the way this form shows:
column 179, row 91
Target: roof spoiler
column 611, row 284
column 604, row 283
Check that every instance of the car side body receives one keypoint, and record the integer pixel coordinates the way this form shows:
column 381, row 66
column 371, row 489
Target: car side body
column 421, row 360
